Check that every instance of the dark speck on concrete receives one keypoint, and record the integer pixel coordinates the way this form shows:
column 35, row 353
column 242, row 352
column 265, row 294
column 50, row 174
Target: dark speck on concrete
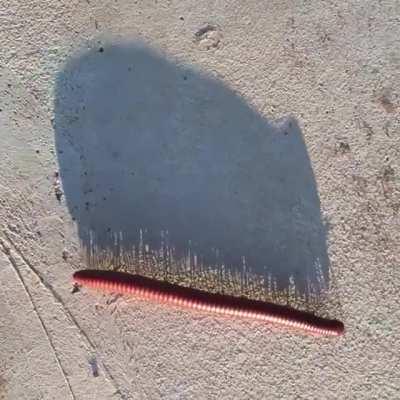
column 58, row 195
column 75, row 288
column 65, row 255
column 388, row 174
column 94, row 367
column 368, row 129
column 387, row 103
column 344, row 147
column 205, row 29
column 101, row 49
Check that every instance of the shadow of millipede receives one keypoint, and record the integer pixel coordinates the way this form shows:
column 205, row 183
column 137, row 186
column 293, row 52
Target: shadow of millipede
column 171, row 174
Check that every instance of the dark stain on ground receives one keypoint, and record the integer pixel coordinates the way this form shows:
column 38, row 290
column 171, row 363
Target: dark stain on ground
column 368, row 129
column 386, row 103
column 75, row 288
column 94, row 367
column 203, row 30
column 361, row 184
column 343, row 148
column 388, row 174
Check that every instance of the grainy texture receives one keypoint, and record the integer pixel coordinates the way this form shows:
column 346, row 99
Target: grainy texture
column 334, row 65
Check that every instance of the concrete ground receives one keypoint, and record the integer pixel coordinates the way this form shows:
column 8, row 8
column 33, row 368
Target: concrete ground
column 268, row 129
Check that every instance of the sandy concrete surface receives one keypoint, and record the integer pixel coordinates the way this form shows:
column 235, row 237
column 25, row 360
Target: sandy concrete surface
column 299, row 102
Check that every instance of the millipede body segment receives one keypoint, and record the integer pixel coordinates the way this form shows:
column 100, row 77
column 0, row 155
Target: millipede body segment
column 168, row 293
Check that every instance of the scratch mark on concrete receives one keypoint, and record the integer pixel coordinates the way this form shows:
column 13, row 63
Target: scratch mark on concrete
column 65, row 309
column 14, row 264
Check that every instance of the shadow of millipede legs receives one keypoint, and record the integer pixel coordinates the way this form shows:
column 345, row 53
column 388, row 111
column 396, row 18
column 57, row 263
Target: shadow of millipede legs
column 162, row 159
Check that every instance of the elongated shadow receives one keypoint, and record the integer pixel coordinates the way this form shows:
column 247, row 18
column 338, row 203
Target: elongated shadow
column 166, row 157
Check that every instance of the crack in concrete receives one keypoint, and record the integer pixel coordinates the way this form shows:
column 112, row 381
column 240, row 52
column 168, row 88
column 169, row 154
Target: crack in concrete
column 58, row 299
column 14, row 264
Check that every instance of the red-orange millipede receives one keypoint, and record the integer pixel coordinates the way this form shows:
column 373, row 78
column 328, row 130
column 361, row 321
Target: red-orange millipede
column 168, row 293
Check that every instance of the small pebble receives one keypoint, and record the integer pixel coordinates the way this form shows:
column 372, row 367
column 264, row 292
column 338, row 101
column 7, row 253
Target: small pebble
column 65, row 254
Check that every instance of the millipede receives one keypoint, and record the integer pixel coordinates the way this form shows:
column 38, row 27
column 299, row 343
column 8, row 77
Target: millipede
column 172, row 294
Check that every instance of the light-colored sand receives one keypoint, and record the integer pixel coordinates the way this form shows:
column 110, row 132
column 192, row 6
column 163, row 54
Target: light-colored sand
column 332, row 65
